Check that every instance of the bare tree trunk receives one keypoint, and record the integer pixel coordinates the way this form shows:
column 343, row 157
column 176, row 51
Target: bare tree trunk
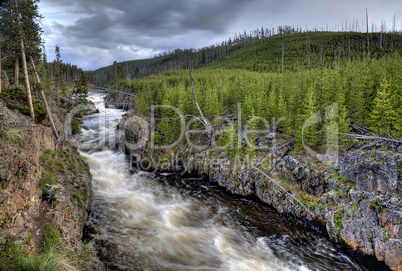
column 27, row 85
column 0, row 69
column 203, row 119
column 25, row 68
column 368, row 42
column 308, row 46
column 16, row 71
column 49, row 113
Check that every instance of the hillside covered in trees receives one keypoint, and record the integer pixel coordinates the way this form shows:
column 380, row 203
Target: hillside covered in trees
column 289, row 50
column 292, row 75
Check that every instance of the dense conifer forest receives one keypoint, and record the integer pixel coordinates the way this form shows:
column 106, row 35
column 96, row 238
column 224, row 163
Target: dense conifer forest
column 290, row 75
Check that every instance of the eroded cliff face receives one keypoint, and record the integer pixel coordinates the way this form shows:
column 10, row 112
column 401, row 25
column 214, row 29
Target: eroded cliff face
column 41, row 182
column 359, row 200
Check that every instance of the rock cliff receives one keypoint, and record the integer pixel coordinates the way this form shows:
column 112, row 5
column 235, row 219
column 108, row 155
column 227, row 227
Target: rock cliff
column 358, row 200
column 42, row 182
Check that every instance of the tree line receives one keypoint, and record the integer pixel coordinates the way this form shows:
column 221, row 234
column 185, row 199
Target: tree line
column 265, row 50
column 21, row 44
column 367, row 95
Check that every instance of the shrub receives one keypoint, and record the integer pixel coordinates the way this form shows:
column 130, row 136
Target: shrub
column 16, row 98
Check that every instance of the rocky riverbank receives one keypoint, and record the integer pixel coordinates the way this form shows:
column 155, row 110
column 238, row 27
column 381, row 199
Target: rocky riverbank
column 44, row 185
column 358, row 199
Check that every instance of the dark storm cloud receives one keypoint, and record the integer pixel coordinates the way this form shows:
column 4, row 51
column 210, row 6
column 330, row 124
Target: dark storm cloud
column 162, row 17
column 93, row 33
column 97, row 26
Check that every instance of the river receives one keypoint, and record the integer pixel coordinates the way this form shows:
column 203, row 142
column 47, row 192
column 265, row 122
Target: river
column 142, row 222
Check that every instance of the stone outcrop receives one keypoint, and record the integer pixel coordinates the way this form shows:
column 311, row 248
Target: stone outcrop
column 373, row 171
column 91, row 108
column 119, row 100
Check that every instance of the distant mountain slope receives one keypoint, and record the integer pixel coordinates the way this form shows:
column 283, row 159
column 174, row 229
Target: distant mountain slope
column 291, row 51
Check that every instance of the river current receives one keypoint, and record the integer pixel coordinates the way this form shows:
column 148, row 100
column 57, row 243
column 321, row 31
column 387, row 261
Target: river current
column 142, row 222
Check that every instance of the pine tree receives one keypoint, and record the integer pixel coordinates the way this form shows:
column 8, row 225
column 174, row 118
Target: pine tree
column 57, row 73
column 19, row 26
column 343, row 114
column 0, row 65
column 307, row 134
column 229, row 140
column 271, row 103
column 81, row 89
column 251, row 136
column 383, row 117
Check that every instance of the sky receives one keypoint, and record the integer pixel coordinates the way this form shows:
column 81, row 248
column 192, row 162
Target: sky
column 94, row 33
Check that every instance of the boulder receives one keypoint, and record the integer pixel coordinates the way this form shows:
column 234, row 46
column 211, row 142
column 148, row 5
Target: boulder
column 91, row 108
column 119, row 100
column 53, row 192
column 270, row 136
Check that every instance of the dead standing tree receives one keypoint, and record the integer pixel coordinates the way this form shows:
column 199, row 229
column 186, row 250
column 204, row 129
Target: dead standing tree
column 368, row 42
column 0, row 66
column 49, row 112
column 203, row 120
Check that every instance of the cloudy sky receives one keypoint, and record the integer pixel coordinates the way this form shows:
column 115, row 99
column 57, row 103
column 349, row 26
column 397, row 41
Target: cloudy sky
column 94, row 33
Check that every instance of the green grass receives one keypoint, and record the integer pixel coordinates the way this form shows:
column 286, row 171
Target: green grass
column 320, row 206
column 40, row 192
column 45, row 262
column 16, row 257
column 338, row 221
column 337, row 192
column 31, row 236
column 13, row 135
column 342, row 179
column 13, row 252
column 51, row 239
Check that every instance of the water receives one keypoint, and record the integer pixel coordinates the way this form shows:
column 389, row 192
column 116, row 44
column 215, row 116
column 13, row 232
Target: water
column 142, row 222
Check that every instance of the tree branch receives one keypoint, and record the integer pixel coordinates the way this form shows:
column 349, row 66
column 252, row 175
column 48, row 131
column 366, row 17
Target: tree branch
column 284, row 190
column 364, row 137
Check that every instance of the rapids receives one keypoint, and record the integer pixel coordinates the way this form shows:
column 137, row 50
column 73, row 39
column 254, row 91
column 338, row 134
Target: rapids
column 140, row 222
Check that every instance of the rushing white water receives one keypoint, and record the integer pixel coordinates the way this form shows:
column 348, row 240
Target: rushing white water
column 143, row 224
